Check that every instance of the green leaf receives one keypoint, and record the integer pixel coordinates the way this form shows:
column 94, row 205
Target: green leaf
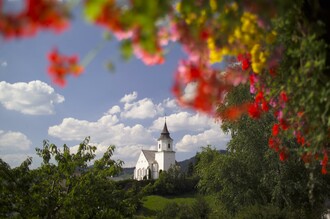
column 93, row 8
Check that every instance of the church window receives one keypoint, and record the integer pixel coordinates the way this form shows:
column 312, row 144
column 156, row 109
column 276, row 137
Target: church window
column 159, row 146
column 168, row 146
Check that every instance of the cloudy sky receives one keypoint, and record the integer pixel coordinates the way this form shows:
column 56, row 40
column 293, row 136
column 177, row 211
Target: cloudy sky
column 125, row 107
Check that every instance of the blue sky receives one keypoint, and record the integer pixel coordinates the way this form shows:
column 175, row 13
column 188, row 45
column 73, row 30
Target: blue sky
column 125, row 107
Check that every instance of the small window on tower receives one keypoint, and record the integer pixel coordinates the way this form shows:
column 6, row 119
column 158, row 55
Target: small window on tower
column 159, row 146
column 169, row 146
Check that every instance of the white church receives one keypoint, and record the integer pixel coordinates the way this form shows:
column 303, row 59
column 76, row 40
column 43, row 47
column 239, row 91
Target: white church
column 151, row 162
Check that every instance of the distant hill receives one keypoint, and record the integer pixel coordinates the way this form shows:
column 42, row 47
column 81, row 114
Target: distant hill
column 128, row 172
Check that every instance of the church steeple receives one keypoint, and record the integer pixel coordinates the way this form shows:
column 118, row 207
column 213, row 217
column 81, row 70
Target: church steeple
column 165, row 133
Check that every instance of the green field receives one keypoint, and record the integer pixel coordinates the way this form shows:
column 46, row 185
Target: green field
column 154, row 203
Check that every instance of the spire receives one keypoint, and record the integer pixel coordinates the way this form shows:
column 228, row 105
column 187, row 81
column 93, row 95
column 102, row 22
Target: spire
column 165, row 133
column 165, row 130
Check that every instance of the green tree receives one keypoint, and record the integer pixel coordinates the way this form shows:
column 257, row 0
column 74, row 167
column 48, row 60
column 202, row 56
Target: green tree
column 207, row 168
column 190, row 171
column 199, row 209
column 65, row 186
column 250, row 173
column 174, row 182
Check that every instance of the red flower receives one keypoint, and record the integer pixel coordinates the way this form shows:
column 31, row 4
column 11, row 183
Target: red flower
column 276, row 129
column 265, row 106
column 273, row 143
column 208, row 89
column 300, row 139
column 204, row 34
column 283, row 155
column 254, row 111
column 283, row 96
column 37, row 15
column 324, row 162
column 234, row 112
column 324, row 170
column 272, row 72
column 253, row 79
column 109, row 16
column 61, row 66
column 259, row 97
column 284, row 124
column 47, row 14
column 245, row 64
column 245, row 61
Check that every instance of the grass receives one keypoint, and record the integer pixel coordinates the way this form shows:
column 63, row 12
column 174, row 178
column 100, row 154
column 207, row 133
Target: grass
column 154, row 203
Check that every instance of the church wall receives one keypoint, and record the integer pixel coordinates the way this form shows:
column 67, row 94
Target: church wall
column 163, row 145
column 159, row 157
column 141, row 168
column 169, row 160
column 165, row 159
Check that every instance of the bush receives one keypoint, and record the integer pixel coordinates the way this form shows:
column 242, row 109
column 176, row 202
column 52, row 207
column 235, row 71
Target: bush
column 173, row 182
column 260, row 212
column 273, row 212
column 199, row 210
column 170, row 211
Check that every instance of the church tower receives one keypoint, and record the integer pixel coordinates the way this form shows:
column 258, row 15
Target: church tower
column 165, row 155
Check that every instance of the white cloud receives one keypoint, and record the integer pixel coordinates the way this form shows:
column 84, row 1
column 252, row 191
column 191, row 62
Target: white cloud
column 107, row 130
column 129, row 97
column 142, row 109
column 113, row 110
column 189, row 130
column 184, row 121
column 190, row 92
column 214, row 137
column 128, row 154
column 13, row 141
column 171, row 104
column 33, row 98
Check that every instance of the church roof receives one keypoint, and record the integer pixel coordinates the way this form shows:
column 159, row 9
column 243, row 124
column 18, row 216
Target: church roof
column 150, row 155
column 165, row 133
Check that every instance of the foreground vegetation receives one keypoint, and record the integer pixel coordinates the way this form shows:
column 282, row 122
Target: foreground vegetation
column 283, row 48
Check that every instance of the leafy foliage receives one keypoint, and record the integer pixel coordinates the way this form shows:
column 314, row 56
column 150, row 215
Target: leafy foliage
column 66, row 187
column 199, row 209
column 250, row 174
column 174, row 182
